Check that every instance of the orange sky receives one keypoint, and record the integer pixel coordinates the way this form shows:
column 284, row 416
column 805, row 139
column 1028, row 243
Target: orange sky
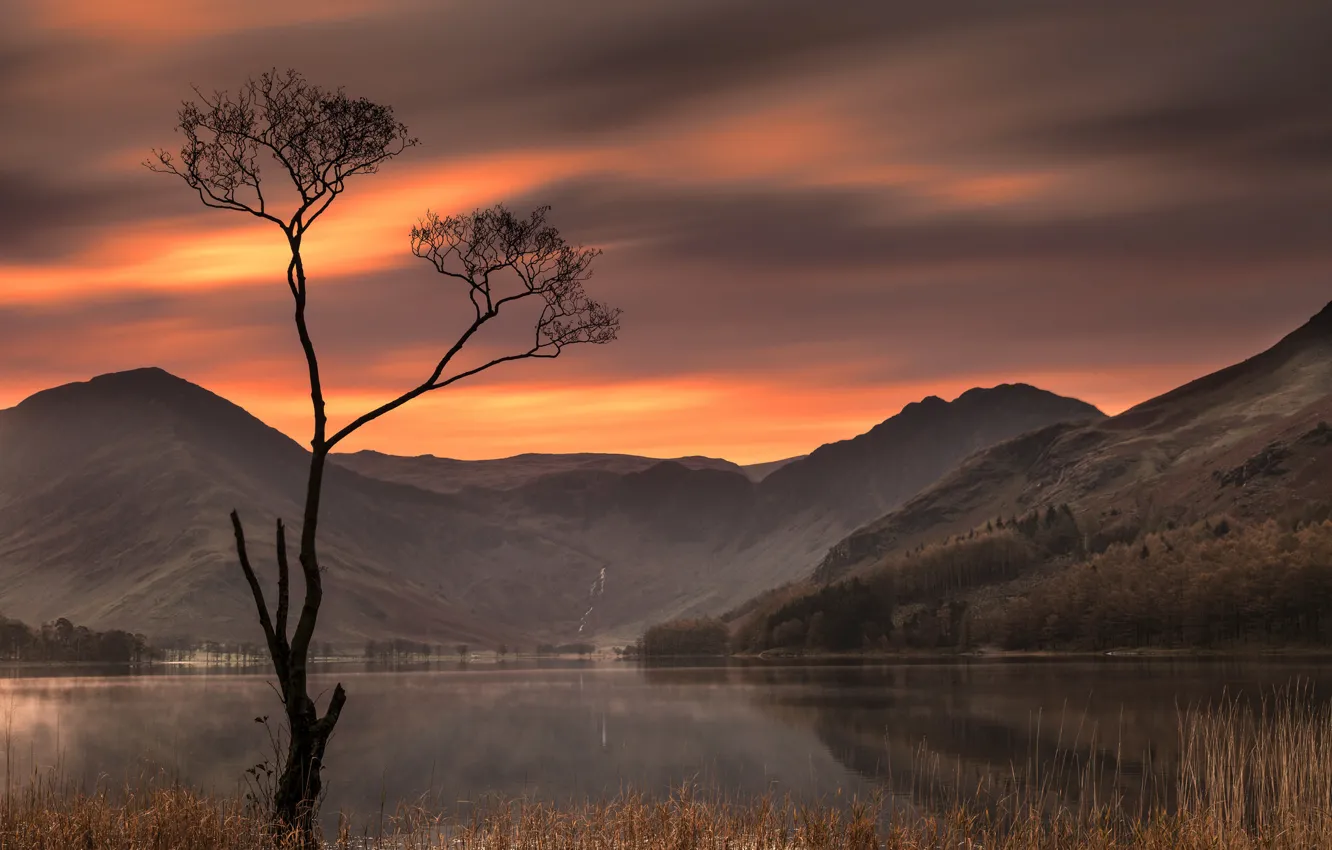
column 803, row 242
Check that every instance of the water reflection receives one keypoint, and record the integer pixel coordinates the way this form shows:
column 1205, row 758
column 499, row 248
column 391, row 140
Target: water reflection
column 571, row 730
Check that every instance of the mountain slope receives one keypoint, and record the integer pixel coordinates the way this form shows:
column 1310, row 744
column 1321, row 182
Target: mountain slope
column 675, row 540
column 865, row 476
column 113, row 510
column 1245, row 440
column 114, row 495
column 758, row 471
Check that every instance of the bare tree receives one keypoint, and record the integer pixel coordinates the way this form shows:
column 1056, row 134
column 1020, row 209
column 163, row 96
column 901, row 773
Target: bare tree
column 314, row 140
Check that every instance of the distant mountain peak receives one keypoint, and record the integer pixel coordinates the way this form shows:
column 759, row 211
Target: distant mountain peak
column 139, row 372
column 147, row 405
column 131, row 385
column 144, row 377
column 1016, row 388
column 996, row 395
column 874, row 472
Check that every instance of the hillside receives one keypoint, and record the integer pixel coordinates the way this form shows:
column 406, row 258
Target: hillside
column 1196, row 518
column 114, row 495
column 865, row 476
column 113, row 512
column 758, row 471
column 1241, row 441
column 676, row 540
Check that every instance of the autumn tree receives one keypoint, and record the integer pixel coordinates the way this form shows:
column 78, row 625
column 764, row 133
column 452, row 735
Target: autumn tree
column 282, row 150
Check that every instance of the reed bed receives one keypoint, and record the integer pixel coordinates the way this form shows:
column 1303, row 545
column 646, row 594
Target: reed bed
column 50, row 815
column 1247, row 777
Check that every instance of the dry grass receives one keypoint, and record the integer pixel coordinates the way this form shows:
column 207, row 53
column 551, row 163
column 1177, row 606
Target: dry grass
column 1248, row 777
column 50, row 817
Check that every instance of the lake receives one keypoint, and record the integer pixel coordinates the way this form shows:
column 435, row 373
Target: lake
column 570, row 730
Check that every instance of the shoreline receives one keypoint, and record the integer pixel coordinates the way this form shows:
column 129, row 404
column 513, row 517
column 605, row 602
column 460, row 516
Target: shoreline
column 1151, row 653
column 906, row 655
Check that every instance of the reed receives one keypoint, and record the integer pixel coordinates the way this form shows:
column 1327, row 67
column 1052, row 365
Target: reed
column 1248, row 777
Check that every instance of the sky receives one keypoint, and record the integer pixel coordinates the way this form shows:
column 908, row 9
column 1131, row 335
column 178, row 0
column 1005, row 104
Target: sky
column 812, row 213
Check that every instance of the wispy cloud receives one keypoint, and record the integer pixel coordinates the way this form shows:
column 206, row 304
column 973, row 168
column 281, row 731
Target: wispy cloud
column 812, row 214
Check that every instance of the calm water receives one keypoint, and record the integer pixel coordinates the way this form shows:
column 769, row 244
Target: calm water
column 564, row 731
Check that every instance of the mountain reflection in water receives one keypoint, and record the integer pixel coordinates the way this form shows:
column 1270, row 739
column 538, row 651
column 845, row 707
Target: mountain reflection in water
column 922, row 732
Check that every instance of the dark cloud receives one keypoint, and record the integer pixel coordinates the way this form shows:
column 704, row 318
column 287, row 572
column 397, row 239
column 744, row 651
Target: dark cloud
column 1035, row 81
column 45, row 215
column 516, row 72
column 25, row 59
column 834, row 229
column 1089, row 77
column 1257, row 134
column 645, row 66
column 1213, row 112
column 1253, row 97
column 690, row 319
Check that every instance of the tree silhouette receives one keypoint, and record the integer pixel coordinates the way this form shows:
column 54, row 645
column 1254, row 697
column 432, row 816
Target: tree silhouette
column 315, row 141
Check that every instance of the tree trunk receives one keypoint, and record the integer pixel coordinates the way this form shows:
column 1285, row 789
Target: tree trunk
column 296, row 795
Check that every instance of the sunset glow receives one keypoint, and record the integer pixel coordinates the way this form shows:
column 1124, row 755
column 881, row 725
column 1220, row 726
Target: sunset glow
column 811, row 211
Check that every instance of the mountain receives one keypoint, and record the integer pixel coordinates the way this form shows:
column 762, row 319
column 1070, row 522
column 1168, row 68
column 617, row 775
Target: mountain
column 758, row 471
column 865, row 476
column 446, row 475
column 114, row 495
column 1250, row 440
column 113, row 509
column 676, row 540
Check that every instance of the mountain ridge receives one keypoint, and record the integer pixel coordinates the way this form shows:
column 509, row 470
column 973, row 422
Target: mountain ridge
column 146, row 467
column 1156, row 461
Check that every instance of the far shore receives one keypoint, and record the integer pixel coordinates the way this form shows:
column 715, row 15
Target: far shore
column 784, row 656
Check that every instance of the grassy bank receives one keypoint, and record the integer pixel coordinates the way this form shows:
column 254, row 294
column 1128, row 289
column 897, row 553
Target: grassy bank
column 1248, row 777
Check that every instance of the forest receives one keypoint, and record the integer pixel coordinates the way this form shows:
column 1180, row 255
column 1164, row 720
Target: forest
column 690, row 637
column 1050, row 580
column 1213, row 584
column 61, row 640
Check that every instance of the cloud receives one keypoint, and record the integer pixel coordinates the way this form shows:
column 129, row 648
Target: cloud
column 1248, row 94
column 864, row 198
column 46, row 218
column 837, row 228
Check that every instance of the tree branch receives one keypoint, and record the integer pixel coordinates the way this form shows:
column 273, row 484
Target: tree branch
column 314, row 597
column 422, row 388
column 283, row 583
column 275, row 649
column 490, row 241
column 324, row 726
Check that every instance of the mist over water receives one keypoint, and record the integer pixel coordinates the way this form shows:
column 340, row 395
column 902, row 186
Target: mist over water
column 568, row 731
